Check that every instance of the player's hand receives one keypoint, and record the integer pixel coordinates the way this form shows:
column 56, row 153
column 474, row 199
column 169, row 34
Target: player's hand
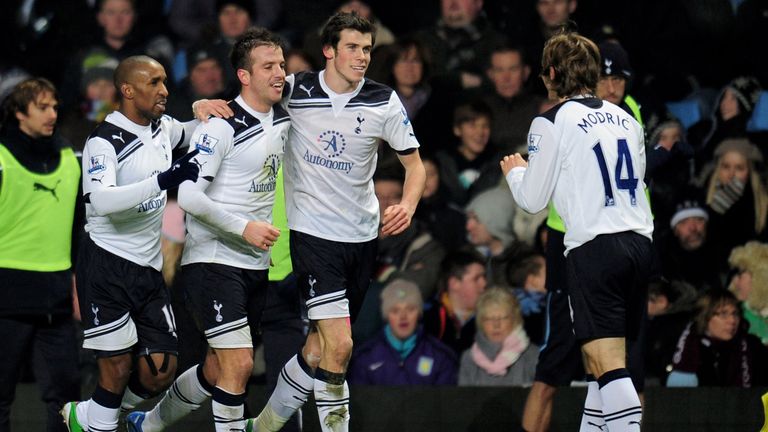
column 260, row 234
column 204, row 108
column 396, row 219
column 512, row 161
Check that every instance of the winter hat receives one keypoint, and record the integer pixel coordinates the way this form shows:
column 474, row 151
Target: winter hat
column 198, row 54
column 747, row 91
column 656, row 124
column 495, row 209
column 97, row 65
column 742, row 146
column 246, row 5
column 614, row 60
column 397, row 291
column 689, row 206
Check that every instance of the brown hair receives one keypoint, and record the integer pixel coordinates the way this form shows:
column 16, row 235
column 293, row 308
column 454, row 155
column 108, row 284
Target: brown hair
column 23, row 94
column 576, row 62
column 331, row 34
column 252, row 38
column 709, row 303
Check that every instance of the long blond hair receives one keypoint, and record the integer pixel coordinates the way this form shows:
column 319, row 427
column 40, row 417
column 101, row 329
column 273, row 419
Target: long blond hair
column 752, row 154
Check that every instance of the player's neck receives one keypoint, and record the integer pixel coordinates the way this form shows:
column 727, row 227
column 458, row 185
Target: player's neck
column 255, row 103
column 584, row 94
column 134, row 115
column 337, row 82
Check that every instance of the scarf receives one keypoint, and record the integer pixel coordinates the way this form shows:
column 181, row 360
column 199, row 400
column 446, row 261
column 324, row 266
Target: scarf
column 505, row 355
column 402, row 347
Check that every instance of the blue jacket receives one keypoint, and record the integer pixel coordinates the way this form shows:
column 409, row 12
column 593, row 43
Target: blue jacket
column 430, row 363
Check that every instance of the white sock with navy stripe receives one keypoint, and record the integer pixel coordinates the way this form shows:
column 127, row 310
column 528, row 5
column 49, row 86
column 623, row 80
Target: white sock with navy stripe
column 185, row 395
column 294, row 385
column 228, row 410
column 332, row 400
column 103, row 410
column 592, row 417
column 621, row 405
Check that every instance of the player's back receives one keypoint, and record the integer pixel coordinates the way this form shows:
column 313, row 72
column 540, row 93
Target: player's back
column 600, row 187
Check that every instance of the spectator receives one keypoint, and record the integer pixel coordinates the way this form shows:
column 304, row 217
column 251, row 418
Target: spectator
column 512, row 105
column 733, row 109
column 502, row 354
column 97, row 98
column 298, row 60
column 615, row 78
column 444, row 220
column 715, row 348
column 471, row 166
column 750, row 285
column 205, row 81
column 551, row 15
column 451, row 316
column 668, row 166
column 402, row 353
column 383, row 37
column 528, row 276
column 670, row 308
column 736, row 196
column 460, row 42
column 686, row 252
column 39, row 179
column 118, row 39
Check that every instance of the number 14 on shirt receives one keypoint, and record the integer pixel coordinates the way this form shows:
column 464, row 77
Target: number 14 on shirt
column 629, row 183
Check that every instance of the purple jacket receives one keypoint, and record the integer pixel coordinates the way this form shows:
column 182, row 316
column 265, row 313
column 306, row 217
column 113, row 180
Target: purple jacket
column 430, row 363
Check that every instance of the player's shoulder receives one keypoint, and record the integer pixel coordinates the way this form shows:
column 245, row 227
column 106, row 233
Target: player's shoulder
column 569, row 106
column 113, row 134
column 306, row 85
column 372, row 93
column 241, row 120
column 280, row 114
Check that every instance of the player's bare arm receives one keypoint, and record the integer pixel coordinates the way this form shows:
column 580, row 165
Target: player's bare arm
column 397, row 218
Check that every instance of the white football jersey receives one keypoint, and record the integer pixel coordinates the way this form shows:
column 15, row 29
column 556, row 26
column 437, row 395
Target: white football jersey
column 331, row 155
column 123, row 202
column 239, row 159
column 588, row 155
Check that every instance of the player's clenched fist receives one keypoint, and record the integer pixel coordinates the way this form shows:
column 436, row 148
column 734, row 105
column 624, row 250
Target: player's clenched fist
column 512, row 161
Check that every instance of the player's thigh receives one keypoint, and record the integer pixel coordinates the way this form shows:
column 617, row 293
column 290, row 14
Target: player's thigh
column 219, row 298
column 106, row 286
column 321, row 273
column 559, row 357
column 153, row 316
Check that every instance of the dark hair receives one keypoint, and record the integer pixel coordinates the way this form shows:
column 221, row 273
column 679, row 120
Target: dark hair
column 455, row 264
column 470, row 112
column 508, row 48
column 518, row 272
column 23, row 94
column 576, row 61
column 331, row 34
column 709, row 303
column 100, row 5
column 240, row 57
column 399, row 49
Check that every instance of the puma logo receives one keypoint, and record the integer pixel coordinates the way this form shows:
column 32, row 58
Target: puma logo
column 41, row 187
column 308, row 90
column 119, row 137
column 94, row 179
column 237, row 120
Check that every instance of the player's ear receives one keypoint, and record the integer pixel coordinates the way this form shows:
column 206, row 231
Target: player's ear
column 329, row 52
column 244, row 76
column 126, row 90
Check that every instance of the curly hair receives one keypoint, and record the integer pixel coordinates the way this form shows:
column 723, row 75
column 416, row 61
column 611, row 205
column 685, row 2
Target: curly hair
column 753, row 257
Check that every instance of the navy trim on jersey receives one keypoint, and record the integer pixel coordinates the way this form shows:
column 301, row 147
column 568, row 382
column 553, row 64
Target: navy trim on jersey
column 307, row 86
column 129, row 152
column 247, row 134
column 279, row 114
column 310, row 105
column 115, row 135
column 372, row 94
column 589, row 102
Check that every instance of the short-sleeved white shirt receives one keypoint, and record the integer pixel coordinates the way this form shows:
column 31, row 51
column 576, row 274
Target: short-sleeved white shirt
column 331, row 155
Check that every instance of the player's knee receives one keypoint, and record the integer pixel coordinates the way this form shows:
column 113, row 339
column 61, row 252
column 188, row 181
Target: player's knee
column 117, row 368
column 340, row 348
column 311, row 357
